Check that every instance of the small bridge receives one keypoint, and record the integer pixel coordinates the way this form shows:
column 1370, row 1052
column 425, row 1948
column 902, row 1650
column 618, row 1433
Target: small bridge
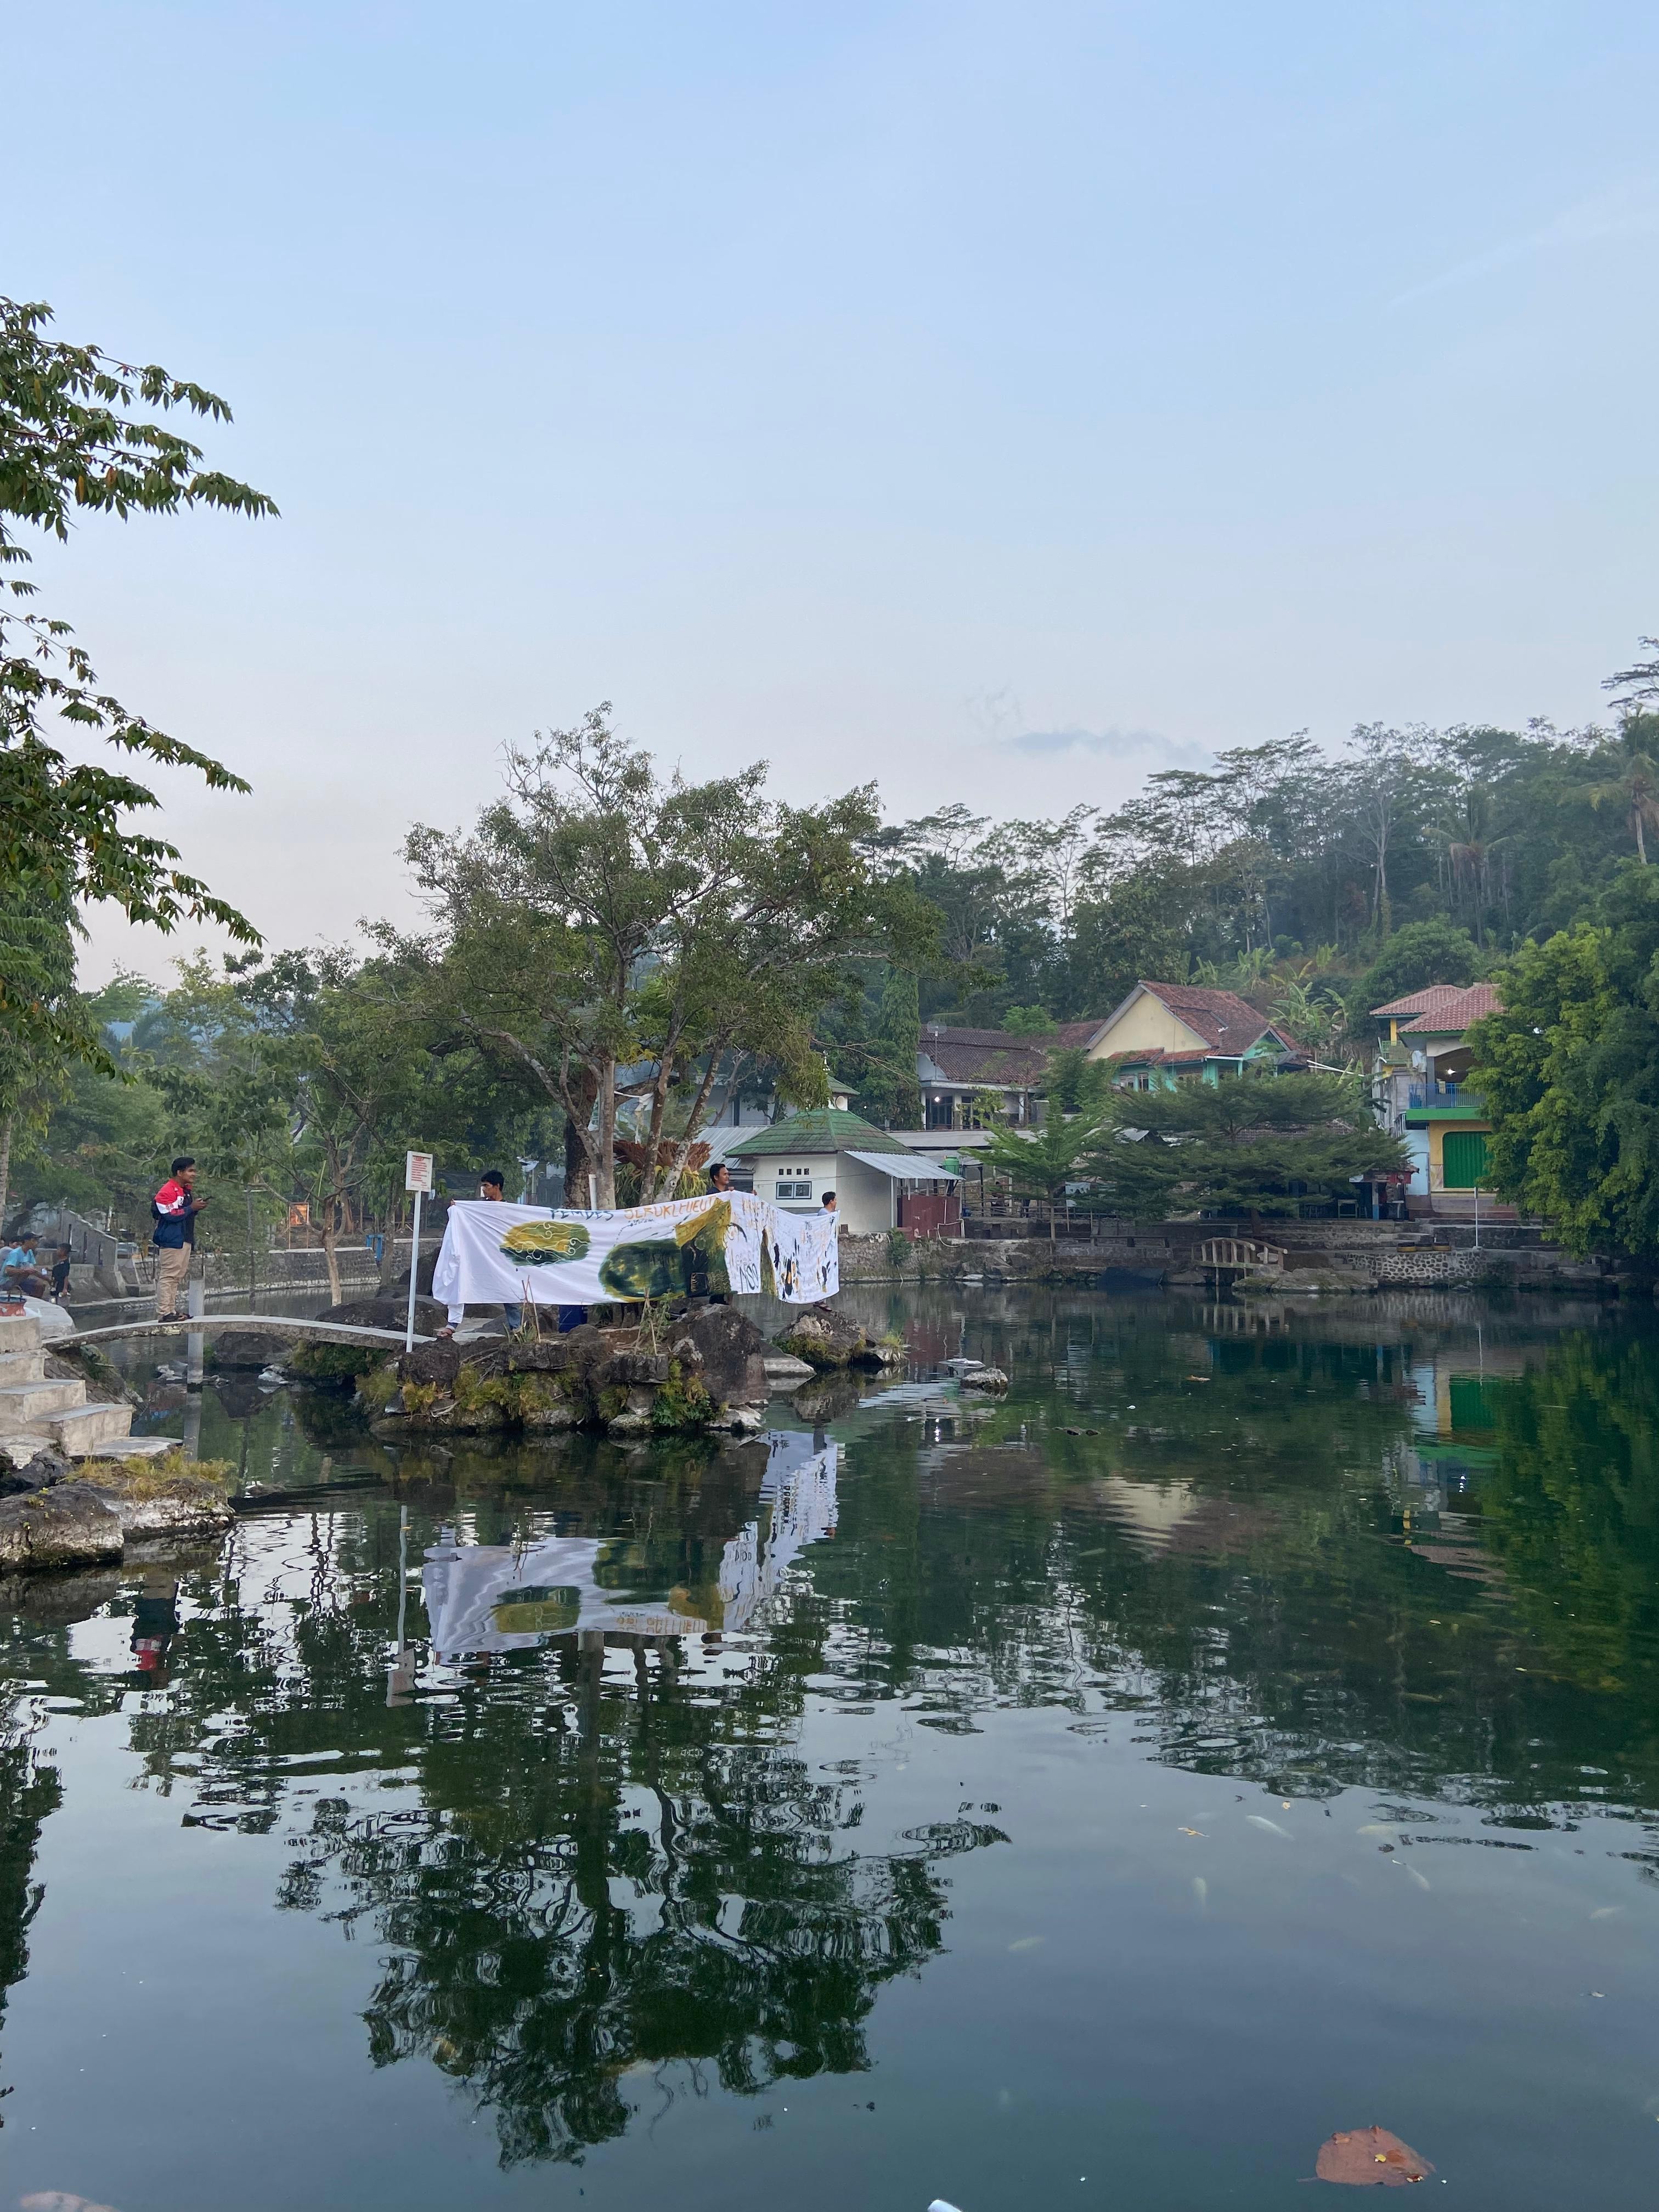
column 1233, row 1254
column 302, row 1332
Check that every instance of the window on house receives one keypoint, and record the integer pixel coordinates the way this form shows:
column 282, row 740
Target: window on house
column 793, row 1184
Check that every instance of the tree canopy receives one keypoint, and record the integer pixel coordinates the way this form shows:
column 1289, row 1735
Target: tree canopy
column 76, row 435
column 623, row 937
column 1254, row 1145
column 1569, row 1071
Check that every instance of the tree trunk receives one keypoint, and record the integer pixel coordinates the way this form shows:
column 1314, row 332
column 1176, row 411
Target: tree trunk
column 1641, row 849
column 332, row 1258
column 604, row 1177
column 6, row 1127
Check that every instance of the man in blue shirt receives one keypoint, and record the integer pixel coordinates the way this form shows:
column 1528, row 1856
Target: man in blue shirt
column 20, row 1271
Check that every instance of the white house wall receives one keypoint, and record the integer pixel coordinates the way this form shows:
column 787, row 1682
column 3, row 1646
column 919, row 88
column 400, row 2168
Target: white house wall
column 865, row 1199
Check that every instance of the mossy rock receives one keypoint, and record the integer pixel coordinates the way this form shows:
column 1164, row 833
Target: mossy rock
column 333, row 1366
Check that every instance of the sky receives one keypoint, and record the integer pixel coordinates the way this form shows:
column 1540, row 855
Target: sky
column 997, row 402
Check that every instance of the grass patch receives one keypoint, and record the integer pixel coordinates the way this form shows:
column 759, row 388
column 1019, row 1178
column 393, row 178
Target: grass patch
column 166, row 1476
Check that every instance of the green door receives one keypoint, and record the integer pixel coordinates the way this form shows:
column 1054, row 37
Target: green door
column 1465, row 1158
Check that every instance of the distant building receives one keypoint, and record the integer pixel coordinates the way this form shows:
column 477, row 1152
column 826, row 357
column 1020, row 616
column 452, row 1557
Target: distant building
column 1163, row 1032
column 956, row 1067
column 1420, row 1090
column 878, row 1181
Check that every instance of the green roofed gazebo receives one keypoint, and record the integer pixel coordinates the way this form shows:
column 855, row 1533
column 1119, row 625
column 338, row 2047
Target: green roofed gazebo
column 879, row 1182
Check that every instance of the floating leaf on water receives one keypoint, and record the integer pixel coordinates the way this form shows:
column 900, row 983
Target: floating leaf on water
column 1362, row 2158
column 1421, row 1880
column 1261, row 1820
column 59, row 2200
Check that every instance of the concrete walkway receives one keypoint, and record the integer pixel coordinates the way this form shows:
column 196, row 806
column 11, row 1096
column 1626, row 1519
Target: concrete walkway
column 313, row 1332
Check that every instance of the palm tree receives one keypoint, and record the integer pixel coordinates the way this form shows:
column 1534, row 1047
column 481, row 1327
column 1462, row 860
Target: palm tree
column 1467, row 853
column 1638, row 788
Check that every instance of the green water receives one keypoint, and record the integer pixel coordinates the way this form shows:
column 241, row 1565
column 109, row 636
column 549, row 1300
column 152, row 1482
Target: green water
column 1248, row 1729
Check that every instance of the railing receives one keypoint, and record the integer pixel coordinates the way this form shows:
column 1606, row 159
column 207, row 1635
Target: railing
column 1440, row 1094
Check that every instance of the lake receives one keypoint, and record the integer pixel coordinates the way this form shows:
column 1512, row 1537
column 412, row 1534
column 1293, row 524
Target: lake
column 1248, row 1729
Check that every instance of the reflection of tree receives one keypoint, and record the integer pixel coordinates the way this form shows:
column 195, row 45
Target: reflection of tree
column 1571, row 1511
column 545, row 1943
column 620, row 1861
column 28, row 1792
column 1277, row 1628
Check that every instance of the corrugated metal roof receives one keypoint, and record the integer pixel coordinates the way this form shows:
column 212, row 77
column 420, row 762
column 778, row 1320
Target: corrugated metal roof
column 905, row 1167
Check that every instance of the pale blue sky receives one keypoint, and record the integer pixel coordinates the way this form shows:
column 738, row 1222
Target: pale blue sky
column 868, row 388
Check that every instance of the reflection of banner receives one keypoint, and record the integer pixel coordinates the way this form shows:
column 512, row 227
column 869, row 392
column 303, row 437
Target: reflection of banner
column 801, row 1489
column 496, row 1597
column 495, row 1254
column 491, row 1597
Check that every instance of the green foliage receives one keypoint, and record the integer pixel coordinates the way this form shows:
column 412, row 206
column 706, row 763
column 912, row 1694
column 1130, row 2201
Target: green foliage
column 70, row 440
column 682, row 1402
column 1432, row 951
column 1040, row 1164
column 1077, row 1084
column 889, row 1093
column 599, row 919
column 1569, row 1071
column 898, row 1246
column 1030, row 1021
column 1258, row 1145
column 333, row 1365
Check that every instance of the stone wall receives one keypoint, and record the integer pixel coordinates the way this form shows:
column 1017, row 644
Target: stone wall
column 1363, row 1255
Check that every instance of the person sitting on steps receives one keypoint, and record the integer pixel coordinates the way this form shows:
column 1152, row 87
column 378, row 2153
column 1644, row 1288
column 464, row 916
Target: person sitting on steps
column 20, row 1271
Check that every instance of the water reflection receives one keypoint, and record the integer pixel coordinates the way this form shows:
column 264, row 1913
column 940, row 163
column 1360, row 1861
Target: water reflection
column 601, row 1825
column 485, row 1598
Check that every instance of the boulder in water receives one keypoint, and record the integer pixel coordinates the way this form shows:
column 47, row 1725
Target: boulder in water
column 824, row 1337
column 68, row 1525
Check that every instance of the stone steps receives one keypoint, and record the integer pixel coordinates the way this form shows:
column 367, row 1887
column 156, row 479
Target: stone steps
column 53, row 1409
column 78, row 1432
column 37, row 1405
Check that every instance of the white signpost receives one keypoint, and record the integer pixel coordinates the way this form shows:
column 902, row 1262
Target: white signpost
column 417, row 1177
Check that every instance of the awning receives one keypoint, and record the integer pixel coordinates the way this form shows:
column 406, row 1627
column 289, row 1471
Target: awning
column 904, row 1167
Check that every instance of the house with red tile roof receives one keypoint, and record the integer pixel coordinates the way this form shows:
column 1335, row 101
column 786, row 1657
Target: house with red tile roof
column 1163, row 1032
column 1420, row 1088
column 955, row 1066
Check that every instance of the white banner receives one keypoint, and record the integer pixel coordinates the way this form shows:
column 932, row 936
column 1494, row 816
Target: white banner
column 497, row 1255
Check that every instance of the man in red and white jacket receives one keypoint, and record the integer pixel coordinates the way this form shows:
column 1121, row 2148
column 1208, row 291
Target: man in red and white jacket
column 174, row 1208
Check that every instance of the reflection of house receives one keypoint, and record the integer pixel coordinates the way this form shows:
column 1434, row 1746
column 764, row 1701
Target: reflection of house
column 1420, row 1090
column 1151, row 1511
column 878, row 1181
column 1164, row 1031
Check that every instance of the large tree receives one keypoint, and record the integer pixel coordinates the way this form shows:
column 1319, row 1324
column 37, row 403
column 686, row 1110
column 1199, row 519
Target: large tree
column 1041, row 1163
column 624, row 937
column 1569, row 1071
column 76, row 435
column 1254, row 1145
